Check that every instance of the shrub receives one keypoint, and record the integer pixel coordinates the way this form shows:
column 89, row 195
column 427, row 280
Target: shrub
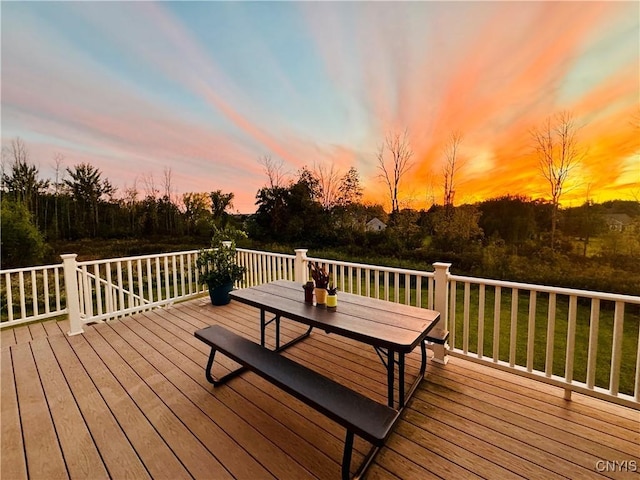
column 21, row 243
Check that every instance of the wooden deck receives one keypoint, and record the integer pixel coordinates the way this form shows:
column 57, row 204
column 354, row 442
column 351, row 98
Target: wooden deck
column 128, row 399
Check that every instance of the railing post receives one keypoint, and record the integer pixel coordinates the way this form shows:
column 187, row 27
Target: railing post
column 300, row 271
column 441, row 304
column 73, row 295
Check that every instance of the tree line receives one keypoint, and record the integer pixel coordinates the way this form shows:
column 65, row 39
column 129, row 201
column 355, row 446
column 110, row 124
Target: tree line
column 319, row 208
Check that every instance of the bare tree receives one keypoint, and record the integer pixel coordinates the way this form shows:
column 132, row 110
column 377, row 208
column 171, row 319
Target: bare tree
column 167, row 180
column 150, row 188
column 430, row 192
column 558, row 154
column 58, row 160
column 274, row 170
column 394, row 161
column 452, row 165
column 329, row 183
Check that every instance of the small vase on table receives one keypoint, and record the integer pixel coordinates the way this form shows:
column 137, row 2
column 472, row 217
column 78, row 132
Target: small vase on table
column 332, row 297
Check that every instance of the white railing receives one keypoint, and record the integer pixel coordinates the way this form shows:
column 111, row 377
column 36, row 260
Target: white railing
column 574, row 339
column 114, row 288
column 29, row 294
column 264, row 267
column 578, row 340
column 411, row 287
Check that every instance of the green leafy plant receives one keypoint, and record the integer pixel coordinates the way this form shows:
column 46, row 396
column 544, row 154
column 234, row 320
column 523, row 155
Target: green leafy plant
column 319, row 275
column 218, row 265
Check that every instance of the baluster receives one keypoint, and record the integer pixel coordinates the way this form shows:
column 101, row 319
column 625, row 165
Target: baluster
column 45, row 286
column 497, row 309
column 56, row 276
column 616, row 354
column 513, row 333
column 158, row 280
column 23, row 306
column 96, row 273
column 120, row 286
column 407, row 289
column 130, row 285
column 109, row 288
column 465, row 317
column 531, row 332
column 182, row 287
column 140, row 279
column 452, row 312
column 481, row 301
column 396, row 287
column 174, row 273
column 594, row 327
column 386, row 285
column 571, row 341
column 551, row 326
column 149, row 275
column 34, row 293
column 9, row 297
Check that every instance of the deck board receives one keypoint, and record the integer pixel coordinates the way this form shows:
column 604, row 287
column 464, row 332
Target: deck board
column 12, row 460
column 7, row 338
column 119, row 457
column 152, row 449
column 128, row 399
column 82, row 458
column 43, row 453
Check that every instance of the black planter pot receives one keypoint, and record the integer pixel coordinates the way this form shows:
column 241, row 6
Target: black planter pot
column 220, row 294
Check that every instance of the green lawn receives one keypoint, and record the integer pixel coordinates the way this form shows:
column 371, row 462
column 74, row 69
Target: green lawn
column 540, row 328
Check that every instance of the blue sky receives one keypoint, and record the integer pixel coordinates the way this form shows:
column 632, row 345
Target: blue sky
column 207, row 88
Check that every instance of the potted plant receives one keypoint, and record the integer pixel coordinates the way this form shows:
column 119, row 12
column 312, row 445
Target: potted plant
column 219, row 269
column 321, row 278
column 332, row 297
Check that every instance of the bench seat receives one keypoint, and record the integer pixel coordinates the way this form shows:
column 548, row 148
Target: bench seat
column 358, row 414
column 438, row 336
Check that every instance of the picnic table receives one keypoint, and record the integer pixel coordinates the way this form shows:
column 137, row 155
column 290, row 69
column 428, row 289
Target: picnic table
column 393, row 330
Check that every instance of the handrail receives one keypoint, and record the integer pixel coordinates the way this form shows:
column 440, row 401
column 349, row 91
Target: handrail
column 614, row 297
column 560, row 336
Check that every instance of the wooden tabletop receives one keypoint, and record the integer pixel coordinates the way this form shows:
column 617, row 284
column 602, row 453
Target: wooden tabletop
column 376, row 322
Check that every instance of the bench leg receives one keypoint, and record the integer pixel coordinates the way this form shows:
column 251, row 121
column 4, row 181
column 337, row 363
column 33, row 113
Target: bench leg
column 223, row 379
column 346, row 456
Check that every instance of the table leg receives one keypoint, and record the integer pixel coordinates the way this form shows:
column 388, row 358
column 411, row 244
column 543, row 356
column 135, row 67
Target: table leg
column 262, row 327
column 276, row 319
column 400, row 380
column 390, row 377
column 295, row 340
column 423, row 368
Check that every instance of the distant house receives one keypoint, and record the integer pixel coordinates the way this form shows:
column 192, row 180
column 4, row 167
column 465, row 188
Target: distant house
column 617, row 222
column 375, row 225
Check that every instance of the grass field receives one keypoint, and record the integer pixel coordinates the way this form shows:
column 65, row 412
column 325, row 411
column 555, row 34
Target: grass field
column 468, row 332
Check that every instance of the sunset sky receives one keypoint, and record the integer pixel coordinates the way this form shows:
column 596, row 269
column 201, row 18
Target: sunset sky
column 207, row 88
